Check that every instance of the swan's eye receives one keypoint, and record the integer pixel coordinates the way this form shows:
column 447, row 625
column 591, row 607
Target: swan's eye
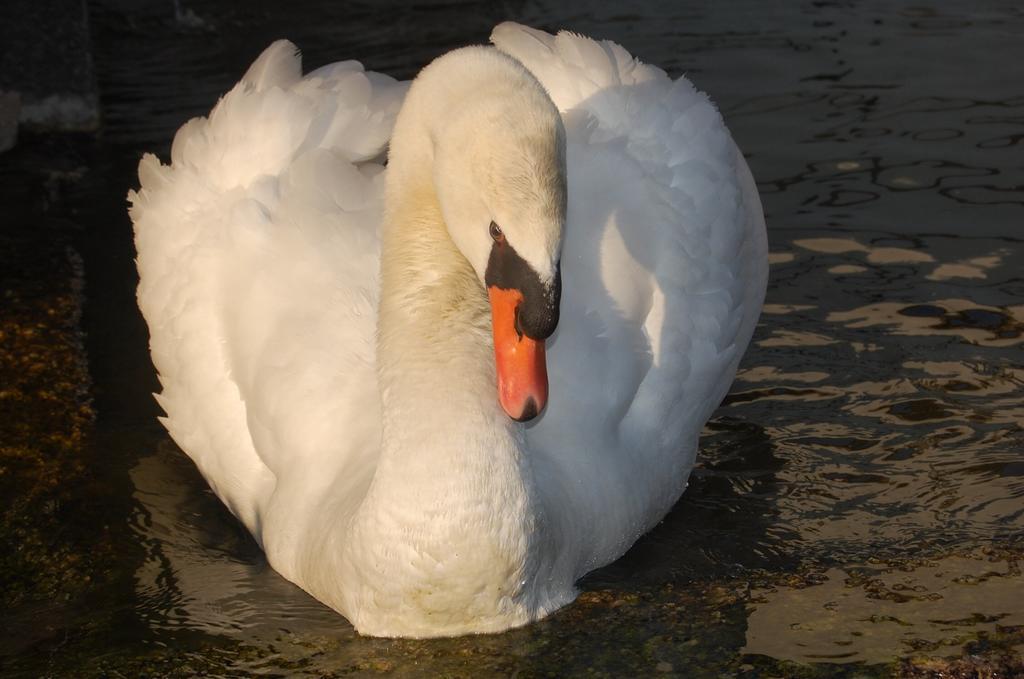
column 496, row 232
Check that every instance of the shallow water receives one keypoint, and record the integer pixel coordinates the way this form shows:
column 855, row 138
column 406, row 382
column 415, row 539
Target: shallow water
column 860, row 493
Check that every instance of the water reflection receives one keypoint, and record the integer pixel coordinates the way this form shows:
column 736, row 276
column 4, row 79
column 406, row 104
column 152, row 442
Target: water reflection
column 202, row 570
column 975, row 323
column 902, row 440
column 975, row 267
column 873, row 613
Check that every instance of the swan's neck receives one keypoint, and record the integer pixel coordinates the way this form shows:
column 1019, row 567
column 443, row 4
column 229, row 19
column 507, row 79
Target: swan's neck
column 442, row 425
column 444, row 434
column 452, row 510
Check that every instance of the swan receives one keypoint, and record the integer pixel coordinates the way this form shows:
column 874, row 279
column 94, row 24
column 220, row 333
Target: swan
column 441, row 389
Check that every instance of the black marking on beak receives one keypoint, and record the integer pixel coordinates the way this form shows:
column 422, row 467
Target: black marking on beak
column 537, row 314
column 529, row 412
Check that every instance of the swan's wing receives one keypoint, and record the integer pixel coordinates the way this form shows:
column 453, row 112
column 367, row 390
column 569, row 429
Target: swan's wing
column 664, row 270
column 257, row 250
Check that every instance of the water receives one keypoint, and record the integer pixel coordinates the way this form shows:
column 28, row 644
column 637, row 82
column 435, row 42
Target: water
column 860, row 493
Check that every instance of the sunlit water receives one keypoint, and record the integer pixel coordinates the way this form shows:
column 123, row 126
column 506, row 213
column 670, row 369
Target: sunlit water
column 860, row 493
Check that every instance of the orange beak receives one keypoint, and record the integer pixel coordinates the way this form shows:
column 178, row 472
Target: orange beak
column 522, row 372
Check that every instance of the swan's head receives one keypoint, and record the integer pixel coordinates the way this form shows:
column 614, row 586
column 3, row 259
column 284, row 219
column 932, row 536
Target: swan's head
column 499, row 173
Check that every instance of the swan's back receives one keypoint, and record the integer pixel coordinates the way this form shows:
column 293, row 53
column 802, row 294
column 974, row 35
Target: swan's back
column 664, row 271
column 258, row 254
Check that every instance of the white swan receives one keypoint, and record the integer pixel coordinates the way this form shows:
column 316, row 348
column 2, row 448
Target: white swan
column 351, row 419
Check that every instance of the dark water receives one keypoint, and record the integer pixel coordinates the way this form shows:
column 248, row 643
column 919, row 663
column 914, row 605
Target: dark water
column 860, row 493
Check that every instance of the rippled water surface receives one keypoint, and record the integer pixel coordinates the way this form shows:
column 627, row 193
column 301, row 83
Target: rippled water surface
column 860, row 492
